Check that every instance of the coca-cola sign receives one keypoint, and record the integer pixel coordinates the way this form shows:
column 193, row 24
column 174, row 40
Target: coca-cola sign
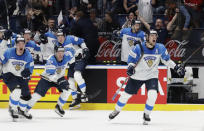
column 176, row 49
column 108, row 50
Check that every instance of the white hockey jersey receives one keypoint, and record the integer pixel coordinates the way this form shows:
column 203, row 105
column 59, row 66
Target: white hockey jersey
column 147, row 67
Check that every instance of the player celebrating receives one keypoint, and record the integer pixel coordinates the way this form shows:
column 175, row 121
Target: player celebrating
column 53, row 76
column 32, row 46
column 129, row 35
column 74, row 44
column 17, row 67
column 147, row 57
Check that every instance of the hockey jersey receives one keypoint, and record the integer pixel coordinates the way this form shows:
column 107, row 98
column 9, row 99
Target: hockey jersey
column 147, row 67
column 5, row 44
column 72, row 44
column 54, row 69
column 128, row 38
column 16, row 64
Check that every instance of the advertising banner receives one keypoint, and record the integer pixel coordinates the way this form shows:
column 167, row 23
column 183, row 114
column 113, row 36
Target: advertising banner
column 52, row 94
column 117, row 76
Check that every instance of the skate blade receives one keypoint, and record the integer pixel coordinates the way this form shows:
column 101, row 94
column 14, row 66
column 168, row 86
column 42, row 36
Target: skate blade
column 58, row 113
column 146, row 123
column 75, row 107
column 15, row 119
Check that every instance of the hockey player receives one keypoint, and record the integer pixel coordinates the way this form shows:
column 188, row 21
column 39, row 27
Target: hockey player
column 17, row 67
column 146, row 72
column 129, row 35
column 73, row 44
column 32, row 46
column 53, row 76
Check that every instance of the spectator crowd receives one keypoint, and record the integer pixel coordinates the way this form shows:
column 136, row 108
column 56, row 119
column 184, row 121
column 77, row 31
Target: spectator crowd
column 172, row 19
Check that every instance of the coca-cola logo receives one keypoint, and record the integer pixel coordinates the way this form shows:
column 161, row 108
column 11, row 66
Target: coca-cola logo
column 108, row 50
column 176, row 49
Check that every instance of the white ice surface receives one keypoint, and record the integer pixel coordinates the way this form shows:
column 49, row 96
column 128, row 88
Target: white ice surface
column 77, row 120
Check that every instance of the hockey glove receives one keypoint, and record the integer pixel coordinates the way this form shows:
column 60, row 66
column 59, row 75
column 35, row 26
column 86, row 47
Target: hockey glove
column 180, row 70
column 130, row 70
column 136, row 42
column 63, row 83
column 7, row 34
column 26, row 73
column 86, row 53
column 43, row 39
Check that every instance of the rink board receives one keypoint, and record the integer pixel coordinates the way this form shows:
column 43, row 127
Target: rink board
column 111, row 79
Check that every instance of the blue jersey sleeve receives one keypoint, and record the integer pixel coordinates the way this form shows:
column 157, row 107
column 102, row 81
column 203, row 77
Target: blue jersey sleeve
column 122, row 32
column 76, row 40
column 50, row 66
column 134, row 55
column 30, row 63
column 164, row 53
column 50, row 34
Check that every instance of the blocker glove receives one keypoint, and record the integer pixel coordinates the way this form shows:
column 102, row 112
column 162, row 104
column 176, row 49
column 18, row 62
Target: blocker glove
column 86, row 53
column 26, row 73
column 180, row 70
column 131, row 70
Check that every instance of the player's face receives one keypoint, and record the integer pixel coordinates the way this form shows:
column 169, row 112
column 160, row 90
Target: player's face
column 27, row 37
column 20, row 47
column 152, row 39
column 61, row 39
column 59, row 55
column 136, row 27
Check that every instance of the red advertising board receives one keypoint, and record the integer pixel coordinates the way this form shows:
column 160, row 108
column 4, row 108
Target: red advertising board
column 115, row 78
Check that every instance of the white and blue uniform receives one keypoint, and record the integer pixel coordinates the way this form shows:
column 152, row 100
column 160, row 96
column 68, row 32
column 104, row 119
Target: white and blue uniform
column 53, row 76
column 147, row 68
column 73, row 44
column 146, row 72
column 13, row 65
column 5, row 44
column 34, row 49
column 48, row 48
column 128, row 38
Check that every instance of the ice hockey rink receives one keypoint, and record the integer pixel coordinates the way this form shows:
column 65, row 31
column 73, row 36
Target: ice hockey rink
column 80, row 120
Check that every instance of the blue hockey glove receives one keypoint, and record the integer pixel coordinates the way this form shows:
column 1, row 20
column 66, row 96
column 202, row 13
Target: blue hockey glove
column 86, row 53
column 26, row 73
column 130, row 70
column 180, row 70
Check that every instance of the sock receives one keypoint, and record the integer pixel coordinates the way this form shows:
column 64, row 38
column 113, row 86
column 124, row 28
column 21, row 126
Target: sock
column 151, row 99
column 122, row 101
column 63, row 97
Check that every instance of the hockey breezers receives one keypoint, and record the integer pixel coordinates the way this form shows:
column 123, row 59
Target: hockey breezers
column 126, row 79
column 90, row 96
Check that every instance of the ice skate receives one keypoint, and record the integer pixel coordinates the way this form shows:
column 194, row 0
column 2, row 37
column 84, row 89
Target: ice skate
column 14, row 114
column 59, row 110
column 146, row 119
column 25, row 113
column 75, row 104
column 113, row 114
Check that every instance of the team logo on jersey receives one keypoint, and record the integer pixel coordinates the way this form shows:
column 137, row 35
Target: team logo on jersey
column 130, row 41
column 150, row 60
column 17, row 65
column 59, row 69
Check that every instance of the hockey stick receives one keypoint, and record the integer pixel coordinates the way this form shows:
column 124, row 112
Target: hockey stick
column 7, row 14
column 127, row 78
column 194, row 52
column 90, row 96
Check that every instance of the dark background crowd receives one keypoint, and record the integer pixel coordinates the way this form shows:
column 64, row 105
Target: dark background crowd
column 173, row 19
